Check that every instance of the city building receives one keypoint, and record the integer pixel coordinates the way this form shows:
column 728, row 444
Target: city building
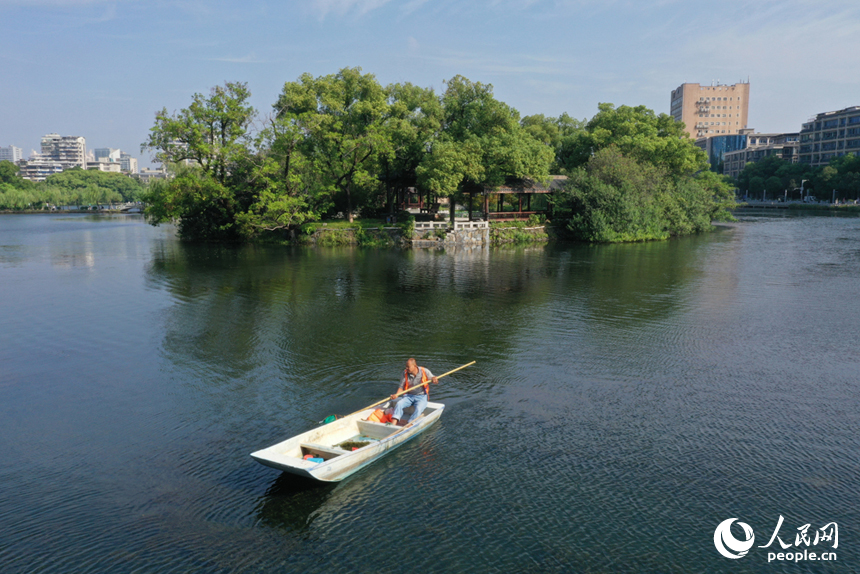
column 716, row 147
column 39, row 167
column 717, row 109
column 108, row 153
column 104, row 164
column 760, row 146
column 146, row 175
column 69, row 151
column 11, row 153
column 127, row 163
column 829, row 135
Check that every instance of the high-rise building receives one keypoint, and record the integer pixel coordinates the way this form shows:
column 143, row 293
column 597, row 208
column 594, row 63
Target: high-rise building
column 759, row 147
column 128, row 163
column 829, row 135
column 69, row 151
column 11, row 153
column 108, row 153
column 718, row 146
column 104, row 164
column 706, row 111
column 39, row 167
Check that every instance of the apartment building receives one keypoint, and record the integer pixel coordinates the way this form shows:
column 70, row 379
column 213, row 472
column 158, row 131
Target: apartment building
column 829, row 135
column 146, row 175
column 69, row 151
column 760, row 146
column 718, row 109
column 127, row 163
column 107, row 153
column 39, row 167
column 104, row 164
column 11, row 153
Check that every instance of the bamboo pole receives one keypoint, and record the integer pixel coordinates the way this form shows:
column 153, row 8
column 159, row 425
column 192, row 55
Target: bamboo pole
column 410, row 389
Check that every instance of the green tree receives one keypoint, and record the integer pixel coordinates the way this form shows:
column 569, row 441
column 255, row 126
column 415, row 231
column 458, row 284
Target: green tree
column 553, row 132
column 847, row 180
column 615, row 198
column 95, row 186
column 638, row 133
column 8, row 172
column 756, row 186
column 481, row 143
column 212, row 131
column 343, row 118
column 206, row 197
column 414, row 120
column 281, row 187
column 204, row 207
column 773, row 185
column 543, row 129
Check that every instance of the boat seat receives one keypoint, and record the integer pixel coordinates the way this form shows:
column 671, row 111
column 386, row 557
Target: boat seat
column 325, row 452
column 378, row 430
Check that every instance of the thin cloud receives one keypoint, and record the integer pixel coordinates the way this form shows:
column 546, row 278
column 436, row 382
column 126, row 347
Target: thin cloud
column 56, row 3
column 247, row 59
column 343, row 7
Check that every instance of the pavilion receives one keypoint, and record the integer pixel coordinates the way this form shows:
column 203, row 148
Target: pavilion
column 519, row 198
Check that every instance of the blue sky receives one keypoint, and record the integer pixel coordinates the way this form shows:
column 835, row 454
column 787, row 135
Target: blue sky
column 102, row 68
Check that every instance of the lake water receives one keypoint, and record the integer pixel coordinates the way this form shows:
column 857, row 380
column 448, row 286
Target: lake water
column 626, row 400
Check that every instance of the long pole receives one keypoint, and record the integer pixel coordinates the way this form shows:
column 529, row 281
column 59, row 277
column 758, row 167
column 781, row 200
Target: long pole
column 410, row 389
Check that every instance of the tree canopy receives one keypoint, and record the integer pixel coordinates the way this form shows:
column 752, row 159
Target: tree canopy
column 638, row 133
column 481, row 143
column 616, row 197
column 634, row 176
column 343, row 118
column 71, row 187
column 212, row 131
column 777, row 176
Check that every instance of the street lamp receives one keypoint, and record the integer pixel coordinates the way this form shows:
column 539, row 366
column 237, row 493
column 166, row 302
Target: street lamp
column 802, row 181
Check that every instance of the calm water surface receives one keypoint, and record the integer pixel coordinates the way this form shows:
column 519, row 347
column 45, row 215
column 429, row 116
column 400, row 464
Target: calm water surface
column 626, row 399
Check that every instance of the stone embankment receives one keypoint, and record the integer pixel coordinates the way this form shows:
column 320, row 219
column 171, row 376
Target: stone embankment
column 435, row 234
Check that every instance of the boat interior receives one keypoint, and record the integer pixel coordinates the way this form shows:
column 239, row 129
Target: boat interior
column 344, row 436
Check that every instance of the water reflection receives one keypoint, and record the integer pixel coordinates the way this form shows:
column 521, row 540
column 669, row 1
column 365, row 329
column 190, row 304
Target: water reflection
column 292, row 502
column 625, row 400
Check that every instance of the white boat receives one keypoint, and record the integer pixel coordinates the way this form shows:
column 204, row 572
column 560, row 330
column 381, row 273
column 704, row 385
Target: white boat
column 326, row 442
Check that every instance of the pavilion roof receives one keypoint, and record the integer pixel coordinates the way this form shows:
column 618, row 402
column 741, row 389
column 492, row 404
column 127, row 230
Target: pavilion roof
column 525, row 185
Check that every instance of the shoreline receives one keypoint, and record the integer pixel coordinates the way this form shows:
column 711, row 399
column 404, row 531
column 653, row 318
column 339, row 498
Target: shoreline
column 797, row 206
column 68, row 211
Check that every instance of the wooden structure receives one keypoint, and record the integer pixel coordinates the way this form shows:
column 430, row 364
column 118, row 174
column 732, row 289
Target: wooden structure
column 519, row 198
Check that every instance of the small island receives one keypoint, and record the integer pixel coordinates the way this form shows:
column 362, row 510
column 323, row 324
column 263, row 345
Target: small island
column 343, row 151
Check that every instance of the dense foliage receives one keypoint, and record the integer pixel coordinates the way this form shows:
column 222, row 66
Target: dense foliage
column 343, row 145
column 636, row 176
column 335, row 144
column 71, row 187
column 480, row 144
column 615, row 198
column 774, row 177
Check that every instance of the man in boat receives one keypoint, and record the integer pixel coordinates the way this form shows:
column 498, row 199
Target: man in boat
column 415, row 378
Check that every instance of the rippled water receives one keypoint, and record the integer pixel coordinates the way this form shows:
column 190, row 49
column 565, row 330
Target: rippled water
column 626, row 399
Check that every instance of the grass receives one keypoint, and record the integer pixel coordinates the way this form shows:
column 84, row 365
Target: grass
column 309, row 228
column 518, row 232
column 364, row 232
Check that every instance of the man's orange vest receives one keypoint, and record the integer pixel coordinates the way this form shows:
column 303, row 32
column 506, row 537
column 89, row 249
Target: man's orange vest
column 424, row 380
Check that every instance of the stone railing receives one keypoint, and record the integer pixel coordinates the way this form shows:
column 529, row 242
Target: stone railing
column 458, row 225
column 461, row 233
column 430, row 225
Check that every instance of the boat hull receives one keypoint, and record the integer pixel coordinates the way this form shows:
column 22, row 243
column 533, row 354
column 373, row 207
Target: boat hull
column 288, row 455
